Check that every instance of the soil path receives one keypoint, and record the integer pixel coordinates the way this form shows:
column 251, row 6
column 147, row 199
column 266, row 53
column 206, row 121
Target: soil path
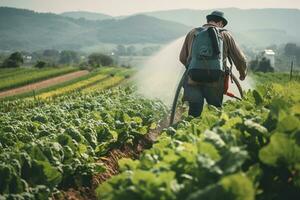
column 43, row 84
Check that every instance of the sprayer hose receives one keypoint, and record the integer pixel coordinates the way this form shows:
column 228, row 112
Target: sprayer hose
column 236, row 81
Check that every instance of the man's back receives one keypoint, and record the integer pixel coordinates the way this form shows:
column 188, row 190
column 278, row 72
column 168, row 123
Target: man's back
column 230, row 49
column 196, row 92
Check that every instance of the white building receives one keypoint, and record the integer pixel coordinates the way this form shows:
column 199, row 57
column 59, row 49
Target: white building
column 270, row 55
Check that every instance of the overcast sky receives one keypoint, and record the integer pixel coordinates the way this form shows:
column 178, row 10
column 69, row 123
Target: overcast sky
column 125, row 7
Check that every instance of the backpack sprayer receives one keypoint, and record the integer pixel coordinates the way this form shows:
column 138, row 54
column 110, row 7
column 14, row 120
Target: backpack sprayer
column 229, row 77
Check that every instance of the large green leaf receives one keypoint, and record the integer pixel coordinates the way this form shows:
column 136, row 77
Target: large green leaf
column 238, row 187
column 233, row 187
column 281, row 150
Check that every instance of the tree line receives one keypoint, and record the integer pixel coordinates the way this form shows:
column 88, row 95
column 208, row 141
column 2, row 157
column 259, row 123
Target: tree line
column 51, row 58
column 284, row 55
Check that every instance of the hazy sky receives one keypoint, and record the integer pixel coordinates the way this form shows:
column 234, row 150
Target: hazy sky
column 125, row 7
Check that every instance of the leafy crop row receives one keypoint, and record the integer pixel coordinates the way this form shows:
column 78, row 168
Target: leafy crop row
column 114, row 80
column 5, row 72
column 248, row 150
column 57, row 144
column 103, row 79
column 74, row 87
column 108, row 83
column 20, row 79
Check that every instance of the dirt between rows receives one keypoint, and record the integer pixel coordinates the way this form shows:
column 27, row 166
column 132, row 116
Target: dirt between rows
column 111, row 162
column 43, row 84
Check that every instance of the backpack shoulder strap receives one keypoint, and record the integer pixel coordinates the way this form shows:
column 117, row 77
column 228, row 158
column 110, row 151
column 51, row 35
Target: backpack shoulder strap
column 198, row 30
column 222, row 30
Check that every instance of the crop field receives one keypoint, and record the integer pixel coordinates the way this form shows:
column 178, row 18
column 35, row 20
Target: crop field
column 247, row 150
column 13, row 71
column 103, row 78
column 57, row 144
column 15, row 78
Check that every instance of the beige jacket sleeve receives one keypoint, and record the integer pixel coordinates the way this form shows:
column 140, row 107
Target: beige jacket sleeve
column 235, row 53
column 187, row 48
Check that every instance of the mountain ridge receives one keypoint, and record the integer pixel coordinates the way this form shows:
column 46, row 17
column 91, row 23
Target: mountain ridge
column 87, row 15
column 22, row 29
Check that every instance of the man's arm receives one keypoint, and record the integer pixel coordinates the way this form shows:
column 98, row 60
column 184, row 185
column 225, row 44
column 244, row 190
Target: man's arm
column 236, row 54
column 186, row 48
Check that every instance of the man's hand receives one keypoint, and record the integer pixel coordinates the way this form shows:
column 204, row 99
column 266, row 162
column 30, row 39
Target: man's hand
column 242, row 77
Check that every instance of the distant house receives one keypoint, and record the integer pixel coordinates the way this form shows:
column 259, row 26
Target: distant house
column 270, row 55
column 27, row 58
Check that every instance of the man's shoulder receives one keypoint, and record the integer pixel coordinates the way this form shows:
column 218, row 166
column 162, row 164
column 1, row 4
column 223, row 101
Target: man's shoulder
column 192, row 31
column 226, row 34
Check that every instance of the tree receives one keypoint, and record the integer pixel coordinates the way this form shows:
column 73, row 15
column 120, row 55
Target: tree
column 69, row 57
column 13, row 61
column 51, row 53
column 98, row 59
column 253, row 64
column 290, row 49
column 298, row 55
column 121, row 50
column 265, row 65
column 41, row 64
column 131, row 50
column 262, row 65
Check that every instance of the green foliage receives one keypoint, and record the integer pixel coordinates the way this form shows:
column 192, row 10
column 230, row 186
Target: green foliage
column 13, row 61
column 57, row 144
column 69, row 57
column 235, row 187
column 25, row 76
column 262, row 65
column 248, row 150
column 98, row 59
column 40, row 64
column 282, row 150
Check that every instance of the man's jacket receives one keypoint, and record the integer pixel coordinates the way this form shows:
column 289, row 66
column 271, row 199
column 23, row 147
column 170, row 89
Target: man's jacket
column 231, row 49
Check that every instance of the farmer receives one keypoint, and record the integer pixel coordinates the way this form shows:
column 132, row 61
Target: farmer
column 204, row 54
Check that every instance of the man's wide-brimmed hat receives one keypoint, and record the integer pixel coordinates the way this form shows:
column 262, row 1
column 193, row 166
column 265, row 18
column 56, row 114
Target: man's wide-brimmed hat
column 218, row 14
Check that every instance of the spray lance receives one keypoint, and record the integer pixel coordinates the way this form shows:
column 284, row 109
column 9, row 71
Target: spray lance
column 228, row 76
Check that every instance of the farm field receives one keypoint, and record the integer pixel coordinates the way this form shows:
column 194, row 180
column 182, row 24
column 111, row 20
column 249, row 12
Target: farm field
column 105, row 77
column 59, row 143
column 33, row 87
column 10, row 79
column 247, row 150
column 97, row 100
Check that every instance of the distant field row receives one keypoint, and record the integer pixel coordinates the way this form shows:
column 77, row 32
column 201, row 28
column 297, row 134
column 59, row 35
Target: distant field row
column 102, row 79
column 10, row 79
column 96, row 80
column 4, row 73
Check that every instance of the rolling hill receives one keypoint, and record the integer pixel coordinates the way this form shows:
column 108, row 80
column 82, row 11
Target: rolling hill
column 86, row 15
column 28, row 30
column 251, row 26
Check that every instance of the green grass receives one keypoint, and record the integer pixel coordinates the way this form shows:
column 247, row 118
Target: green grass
column 6, row 72
column 20, row 77
column 278, row 77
